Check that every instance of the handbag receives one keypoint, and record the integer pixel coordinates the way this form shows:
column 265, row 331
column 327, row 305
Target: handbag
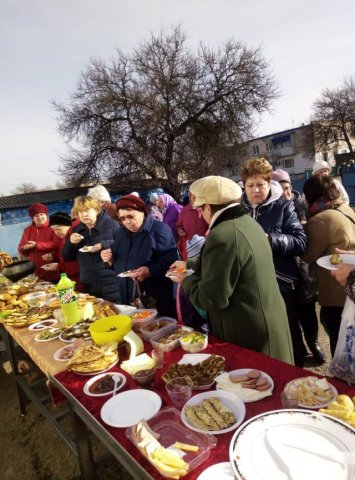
column 343, row 362
column 140, row 299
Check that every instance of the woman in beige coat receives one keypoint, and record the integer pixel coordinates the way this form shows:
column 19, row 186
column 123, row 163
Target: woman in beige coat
column 331, row 225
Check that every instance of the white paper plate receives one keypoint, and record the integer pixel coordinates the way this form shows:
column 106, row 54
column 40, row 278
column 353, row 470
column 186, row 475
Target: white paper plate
column 251, row 458
column 325, row 261
column 57, row 353
column 42, row 325
column 86, row 250
column 88, row 384
column 89, row 374
column 128, row 408
column 244, row 371
column 321, row 405
column 222, row 471
column 194, row 358
column 230, row 400
column 127, row 274
column 37, row 339
column 125, row 309
column 171, row 274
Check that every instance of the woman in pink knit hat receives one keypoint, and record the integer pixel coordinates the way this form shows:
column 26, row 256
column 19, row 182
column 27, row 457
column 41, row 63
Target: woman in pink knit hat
column 37, row 240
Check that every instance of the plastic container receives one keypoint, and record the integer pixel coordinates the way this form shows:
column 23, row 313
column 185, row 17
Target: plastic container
column 168, row 425
column 157, row 326
column 194, row 343
column 68, row 299
column 144, row 378
column 139, row 320
column 169, row 346
column 36, row 299
column 110, row 329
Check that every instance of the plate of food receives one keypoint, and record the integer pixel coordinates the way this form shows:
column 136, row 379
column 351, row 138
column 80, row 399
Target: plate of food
column 213, row 412
column 127, row 273
column 91, row 359
column 65, row 353
column 179, row 272
column 292, row 443
column 48, row 335
column 249, row 384
column 86, row 249
column 104, row 384
column 330, row 262
column 78, row 330
column 202, row 373
column 312, row 392
column 42, row 325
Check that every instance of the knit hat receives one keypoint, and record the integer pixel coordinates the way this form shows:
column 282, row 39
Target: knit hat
column 100, row 193
column 215, row 190
column 37, row 208
column 136, row 194
column 193, row 246
column 280, row 175
column 153, row 197
column 133, row 202
column 319, row 166
column 60, row 218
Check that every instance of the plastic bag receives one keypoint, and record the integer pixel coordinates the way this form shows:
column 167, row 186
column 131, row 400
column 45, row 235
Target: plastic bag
column 343, row 362
column 140, row 299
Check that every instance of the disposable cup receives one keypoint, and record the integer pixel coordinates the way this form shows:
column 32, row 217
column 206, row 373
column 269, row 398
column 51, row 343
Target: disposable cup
column 289, row 399
column 179, row 390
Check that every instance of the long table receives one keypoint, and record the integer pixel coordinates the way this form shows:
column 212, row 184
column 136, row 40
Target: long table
column 86, row 409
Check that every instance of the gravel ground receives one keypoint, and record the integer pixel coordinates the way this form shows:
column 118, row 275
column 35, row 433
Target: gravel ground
column 31, row 450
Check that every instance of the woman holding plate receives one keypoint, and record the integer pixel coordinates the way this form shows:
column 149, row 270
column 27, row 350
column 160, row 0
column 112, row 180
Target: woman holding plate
column 145, row 247
column 95, row 231
column 331, row 225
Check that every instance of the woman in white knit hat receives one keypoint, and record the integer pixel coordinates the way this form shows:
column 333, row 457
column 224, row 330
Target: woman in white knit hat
column 101, row 193
column 323, row 168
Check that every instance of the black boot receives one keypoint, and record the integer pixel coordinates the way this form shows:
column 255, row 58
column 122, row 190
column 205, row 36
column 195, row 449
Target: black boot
column 317, row 352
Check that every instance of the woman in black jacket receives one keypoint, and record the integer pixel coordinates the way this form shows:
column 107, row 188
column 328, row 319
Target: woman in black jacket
column 95, row 232
column 263, row 201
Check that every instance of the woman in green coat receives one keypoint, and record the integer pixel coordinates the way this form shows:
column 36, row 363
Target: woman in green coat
column 234, row 278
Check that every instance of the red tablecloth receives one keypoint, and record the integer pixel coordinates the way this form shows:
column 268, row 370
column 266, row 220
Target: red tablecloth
column 236, row 357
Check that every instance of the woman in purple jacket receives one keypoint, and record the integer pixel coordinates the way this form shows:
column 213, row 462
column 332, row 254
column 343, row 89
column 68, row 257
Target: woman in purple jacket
column 171, row 210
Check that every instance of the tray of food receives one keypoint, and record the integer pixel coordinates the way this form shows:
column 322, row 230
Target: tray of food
column 160, row 325
column 143, row 317
column 169, row 340
column 163, row 440
column 202, row 373
column 214, row 412
column 78, row 330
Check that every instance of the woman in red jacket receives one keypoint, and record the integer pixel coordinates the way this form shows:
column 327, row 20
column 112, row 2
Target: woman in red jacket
column 61, row 224
column 38, row 239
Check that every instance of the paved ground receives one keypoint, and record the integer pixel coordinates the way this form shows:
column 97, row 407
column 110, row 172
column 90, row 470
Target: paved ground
column 31, row 450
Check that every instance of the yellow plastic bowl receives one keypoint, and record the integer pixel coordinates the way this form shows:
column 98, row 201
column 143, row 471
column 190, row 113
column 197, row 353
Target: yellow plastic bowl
column 110, row 329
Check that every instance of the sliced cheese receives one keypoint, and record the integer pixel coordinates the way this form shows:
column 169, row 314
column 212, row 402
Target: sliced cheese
column 135, row 343
column 141, row 362
column 187, row 447
column 87, row 311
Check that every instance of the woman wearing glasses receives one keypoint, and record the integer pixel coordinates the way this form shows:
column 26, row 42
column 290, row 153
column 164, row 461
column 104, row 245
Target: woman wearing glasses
column 95, row 232
column 147, row 247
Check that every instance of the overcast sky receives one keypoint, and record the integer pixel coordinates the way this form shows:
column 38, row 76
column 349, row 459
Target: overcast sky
column 46, row 44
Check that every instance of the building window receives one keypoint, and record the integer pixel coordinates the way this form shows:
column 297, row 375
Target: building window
column 288, row 163
column 256, row 150
column 325, row 156
column 268, row 146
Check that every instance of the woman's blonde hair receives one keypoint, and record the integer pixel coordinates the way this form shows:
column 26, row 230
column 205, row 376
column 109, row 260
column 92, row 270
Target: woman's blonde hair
column 256, row 166
column 84, row 203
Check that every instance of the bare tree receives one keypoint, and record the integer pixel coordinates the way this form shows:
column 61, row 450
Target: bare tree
column 334, row 117
column 25, row 187
column 163, row 112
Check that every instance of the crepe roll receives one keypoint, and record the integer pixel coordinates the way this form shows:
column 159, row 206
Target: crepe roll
column 217, row 417
column 194, row 419
column 223, row 410
column 206, row 418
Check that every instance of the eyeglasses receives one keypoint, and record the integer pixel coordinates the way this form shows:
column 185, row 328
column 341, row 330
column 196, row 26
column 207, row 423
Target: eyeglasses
column 127, row 217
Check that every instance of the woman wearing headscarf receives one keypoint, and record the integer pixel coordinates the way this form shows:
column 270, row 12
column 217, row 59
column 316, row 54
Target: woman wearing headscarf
column 171, row 210
column 95, row 232
column 61, row 224
column 147, row 247
column 234, row 277
column 38, row 239
column 330, row 226
column 284, row 232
